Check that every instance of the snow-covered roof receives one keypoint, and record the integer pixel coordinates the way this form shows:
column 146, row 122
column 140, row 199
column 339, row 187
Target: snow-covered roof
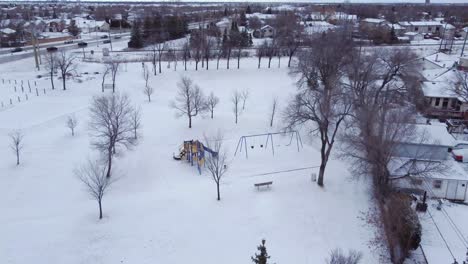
column 266, row 27
column 425, row 23
column 400, row 167
column 374, row 20
column 412, row 33
column 261, row 16
column 7, row 31
column 432, row 135
column 438, row 89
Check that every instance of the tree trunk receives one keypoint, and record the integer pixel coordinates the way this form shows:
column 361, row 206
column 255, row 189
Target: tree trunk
column 217, row 188
column 159, row 64
column 100, row 208
column 109, row 162
column 196, row 65
column 321, row 174
column 190, row 121
column 17, row 157
column 259, row 59
column 217, row 64
column 52, row 79
column 289, row 61
column 269, row 62
column 207, row 62
column 63, row 81
column 228, row 59
column 185, row 64
column 238, row 59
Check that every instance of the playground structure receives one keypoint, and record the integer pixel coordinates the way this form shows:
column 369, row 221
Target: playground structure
column 269, row 139
column 193, row 151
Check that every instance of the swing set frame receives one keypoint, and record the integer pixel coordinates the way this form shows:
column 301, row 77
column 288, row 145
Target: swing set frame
column 242, row 143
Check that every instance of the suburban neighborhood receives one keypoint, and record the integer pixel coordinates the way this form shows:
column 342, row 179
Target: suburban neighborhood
column 234, row 132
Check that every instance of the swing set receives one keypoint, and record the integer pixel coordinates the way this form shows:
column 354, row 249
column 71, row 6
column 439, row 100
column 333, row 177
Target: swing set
column 269, row 139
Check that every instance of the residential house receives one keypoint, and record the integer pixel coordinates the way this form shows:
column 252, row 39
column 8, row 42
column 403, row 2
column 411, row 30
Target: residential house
column 427, row 27
column 414, row 36
column 372, row 23
column 423, row 163
column 266, row 31
column 8, row 38
column 314, row 27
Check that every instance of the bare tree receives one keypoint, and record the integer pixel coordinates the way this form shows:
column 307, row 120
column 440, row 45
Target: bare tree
column 145, row 74
column 148, row 90
column 65, row 64
column 72, row 122
column 136, row 121
column 380, row 85
column 338, row 257
column 460, row 86
column 113, row 67
column 112, row 125
column 186, row 53
column 160, row 47
column 16, row 144
column 212, row 101
column 104, row 75
column 93, row 176
column 216, row 162
column 321, row 100
column 261, row 52
column 235, row 99
column 154, row 57
column 288, row 33
column 207, row 49
column 189, row 101
column 244, row 95
column 51, row 66
column 274, row 105
column 270, row 49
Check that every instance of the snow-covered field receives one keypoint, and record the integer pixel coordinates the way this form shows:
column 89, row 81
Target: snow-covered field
column 161, row 210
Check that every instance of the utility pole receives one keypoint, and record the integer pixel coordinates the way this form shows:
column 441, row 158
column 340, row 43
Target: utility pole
column 35, row 49
column 463, row 49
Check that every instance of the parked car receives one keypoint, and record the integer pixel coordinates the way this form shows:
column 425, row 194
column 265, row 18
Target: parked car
column 460, row 155
column 104, row 36
column 460, row 145
column 18, row 49
column 52, row 49
column 107, row 41
column 82, row 44
column 117, row 37
column 68, row 41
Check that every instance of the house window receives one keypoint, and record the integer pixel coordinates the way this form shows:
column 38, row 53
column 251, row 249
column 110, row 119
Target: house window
column 437, row 101
column 437, row 184
column 445, row 103
column 437, row 28
column 453, row 103
column 416, row 28
column 429, row 29
column 416, row 181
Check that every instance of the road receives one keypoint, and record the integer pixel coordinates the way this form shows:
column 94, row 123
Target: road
column 28, row 51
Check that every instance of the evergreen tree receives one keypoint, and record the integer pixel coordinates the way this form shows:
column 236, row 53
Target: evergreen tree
column 263, row 256
column 234, row 27
column 248, row 10
column 393, row 36
column 226, row 13
column 243, row 19
column 73, row 29
column 147, row 28
column 136, row 40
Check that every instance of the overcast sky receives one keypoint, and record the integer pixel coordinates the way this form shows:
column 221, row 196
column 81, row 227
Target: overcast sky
column 316, row 1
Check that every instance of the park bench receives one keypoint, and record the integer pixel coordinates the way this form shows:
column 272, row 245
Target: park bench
column 260, row 184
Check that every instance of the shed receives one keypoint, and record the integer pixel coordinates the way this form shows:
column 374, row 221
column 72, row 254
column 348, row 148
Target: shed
column 445, row 179
column 429, row 142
